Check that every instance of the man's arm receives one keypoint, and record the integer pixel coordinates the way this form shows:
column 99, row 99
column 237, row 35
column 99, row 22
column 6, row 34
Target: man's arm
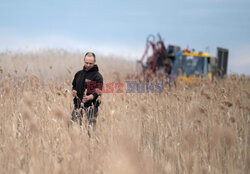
column 74, row 92
column 97, row 89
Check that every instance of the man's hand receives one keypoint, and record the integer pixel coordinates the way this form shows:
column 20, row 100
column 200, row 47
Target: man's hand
column 74, row 93
column 87, row 98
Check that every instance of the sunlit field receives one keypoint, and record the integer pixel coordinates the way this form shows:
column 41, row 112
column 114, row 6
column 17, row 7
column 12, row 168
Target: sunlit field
column 202, row 128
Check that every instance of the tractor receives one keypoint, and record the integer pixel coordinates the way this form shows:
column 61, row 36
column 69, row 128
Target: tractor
column 182, row 65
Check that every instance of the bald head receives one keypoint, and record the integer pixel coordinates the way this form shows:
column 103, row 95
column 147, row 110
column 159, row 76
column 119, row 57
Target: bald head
column 89, row 60
column 90, row 54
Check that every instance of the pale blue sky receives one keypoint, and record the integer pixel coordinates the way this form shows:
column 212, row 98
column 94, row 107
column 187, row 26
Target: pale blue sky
column 121, row 27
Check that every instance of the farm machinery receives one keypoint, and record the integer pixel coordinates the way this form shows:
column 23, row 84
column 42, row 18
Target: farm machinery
column 161, row 59
column 184, row 65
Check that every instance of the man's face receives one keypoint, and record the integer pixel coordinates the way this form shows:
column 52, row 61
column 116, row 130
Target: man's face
column 89, row 62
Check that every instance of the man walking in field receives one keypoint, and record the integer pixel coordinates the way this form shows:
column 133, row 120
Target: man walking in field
column 86, row 87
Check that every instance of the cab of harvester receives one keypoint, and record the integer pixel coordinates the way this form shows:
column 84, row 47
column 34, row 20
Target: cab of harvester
column 190, row 66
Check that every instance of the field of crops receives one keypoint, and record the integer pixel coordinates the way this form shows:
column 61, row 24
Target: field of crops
column 203, row 128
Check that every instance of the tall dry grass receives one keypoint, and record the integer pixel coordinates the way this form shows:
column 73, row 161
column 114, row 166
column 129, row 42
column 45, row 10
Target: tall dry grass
column 204, row 128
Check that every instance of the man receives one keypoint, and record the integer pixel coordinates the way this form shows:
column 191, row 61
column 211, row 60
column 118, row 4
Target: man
column 86, row 88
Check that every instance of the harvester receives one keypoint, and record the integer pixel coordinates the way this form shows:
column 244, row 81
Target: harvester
column 183, row 65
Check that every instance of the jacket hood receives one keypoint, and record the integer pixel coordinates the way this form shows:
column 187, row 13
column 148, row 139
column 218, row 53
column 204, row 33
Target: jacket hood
column 95, row 68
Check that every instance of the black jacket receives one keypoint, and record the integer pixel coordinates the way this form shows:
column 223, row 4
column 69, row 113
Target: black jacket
column 87, row 80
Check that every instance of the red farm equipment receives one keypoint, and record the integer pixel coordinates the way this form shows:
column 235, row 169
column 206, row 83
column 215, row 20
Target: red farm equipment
column 160, row 62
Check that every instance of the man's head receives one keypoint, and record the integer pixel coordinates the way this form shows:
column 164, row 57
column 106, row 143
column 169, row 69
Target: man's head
column 89, row 60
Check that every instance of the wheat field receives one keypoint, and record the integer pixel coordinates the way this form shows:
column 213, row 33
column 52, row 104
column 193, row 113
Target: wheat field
column 203, row 128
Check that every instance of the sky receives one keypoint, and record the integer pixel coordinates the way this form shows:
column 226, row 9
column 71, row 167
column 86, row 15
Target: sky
column 120, row 27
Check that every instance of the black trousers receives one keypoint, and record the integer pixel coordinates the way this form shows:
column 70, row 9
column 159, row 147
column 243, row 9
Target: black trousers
column 90, row 113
